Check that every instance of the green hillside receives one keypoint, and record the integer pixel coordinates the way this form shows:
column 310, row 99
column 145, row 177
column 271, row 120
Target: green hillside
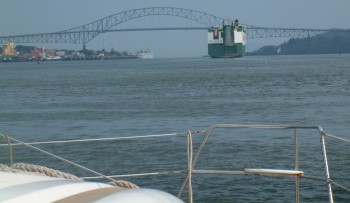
column 327, row 43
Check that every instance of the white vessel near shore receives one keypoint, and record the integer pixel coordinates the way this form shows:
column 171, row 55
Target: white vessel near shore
column 145, row 54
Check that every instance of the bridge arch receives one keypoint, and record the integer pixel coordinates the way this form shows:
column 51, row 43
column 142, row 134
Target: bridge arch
column 85, row 33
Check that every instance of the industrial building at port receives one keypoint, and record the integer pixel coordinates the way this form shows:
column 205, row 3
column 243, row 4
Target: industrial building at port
column 9, row 54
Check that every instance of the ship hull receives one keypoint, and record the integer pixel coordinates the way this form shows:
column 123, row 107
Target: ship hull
column 222, row 51
column 9, row 59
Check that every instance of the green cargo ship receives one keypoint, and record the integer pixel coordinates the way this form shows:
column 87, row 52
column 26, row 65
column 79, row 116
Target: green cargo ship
column 228, row 41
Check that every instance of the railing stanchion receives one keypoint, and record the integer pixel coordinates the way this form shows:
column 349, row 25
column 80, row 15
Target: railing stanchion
column 296, row 154
column 296, row 149
column 190, row 157
column 326, row 168
column 297, row 193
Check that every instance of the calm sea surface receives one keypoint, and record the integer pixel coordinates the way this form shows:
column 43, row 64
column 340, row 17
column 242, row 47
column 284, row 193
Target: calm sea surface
column 97, row 99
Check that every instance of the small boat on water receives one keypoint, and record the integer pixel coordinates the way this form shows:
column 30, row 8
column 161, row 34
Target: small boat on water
column 145, row 54
column 32, row 183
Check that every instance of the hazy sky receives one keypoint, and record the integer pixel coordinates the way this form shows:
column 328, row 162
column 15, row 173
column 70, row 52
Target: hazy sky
column 37, row 16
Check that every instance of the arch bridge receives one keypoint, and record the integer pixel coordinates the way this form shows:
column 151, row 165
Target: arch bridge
column 85, row 33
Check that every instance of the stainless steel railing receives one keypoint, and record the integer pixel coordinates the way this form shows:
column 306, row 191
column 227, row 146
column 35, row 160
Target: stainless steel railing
column 296, row 173
column 192, row 158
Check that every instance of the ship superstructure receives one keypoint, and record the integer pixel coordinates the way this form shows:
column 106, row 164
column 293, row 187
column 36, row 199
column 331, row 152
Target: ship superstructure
column 228, row 41
column 9, row 49
column 9, row 52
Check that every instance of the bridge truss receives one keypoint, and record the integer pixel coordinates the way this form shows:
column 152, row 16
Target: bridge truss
column 263, row 32
column 85, row 33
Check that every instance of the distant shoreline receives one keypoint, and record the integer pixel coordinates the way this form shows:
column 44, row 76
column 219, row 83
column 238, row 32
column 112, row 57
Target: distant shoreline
column 327, row 43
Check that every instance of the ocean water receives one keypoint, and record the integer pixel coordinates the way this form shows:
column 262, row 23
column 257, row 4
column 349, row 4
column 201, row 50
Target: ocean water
column 97, row 99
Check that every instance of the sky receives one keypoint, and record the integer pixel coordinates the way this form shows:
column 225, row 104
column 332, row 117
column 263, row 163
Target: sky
column 40, row 16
